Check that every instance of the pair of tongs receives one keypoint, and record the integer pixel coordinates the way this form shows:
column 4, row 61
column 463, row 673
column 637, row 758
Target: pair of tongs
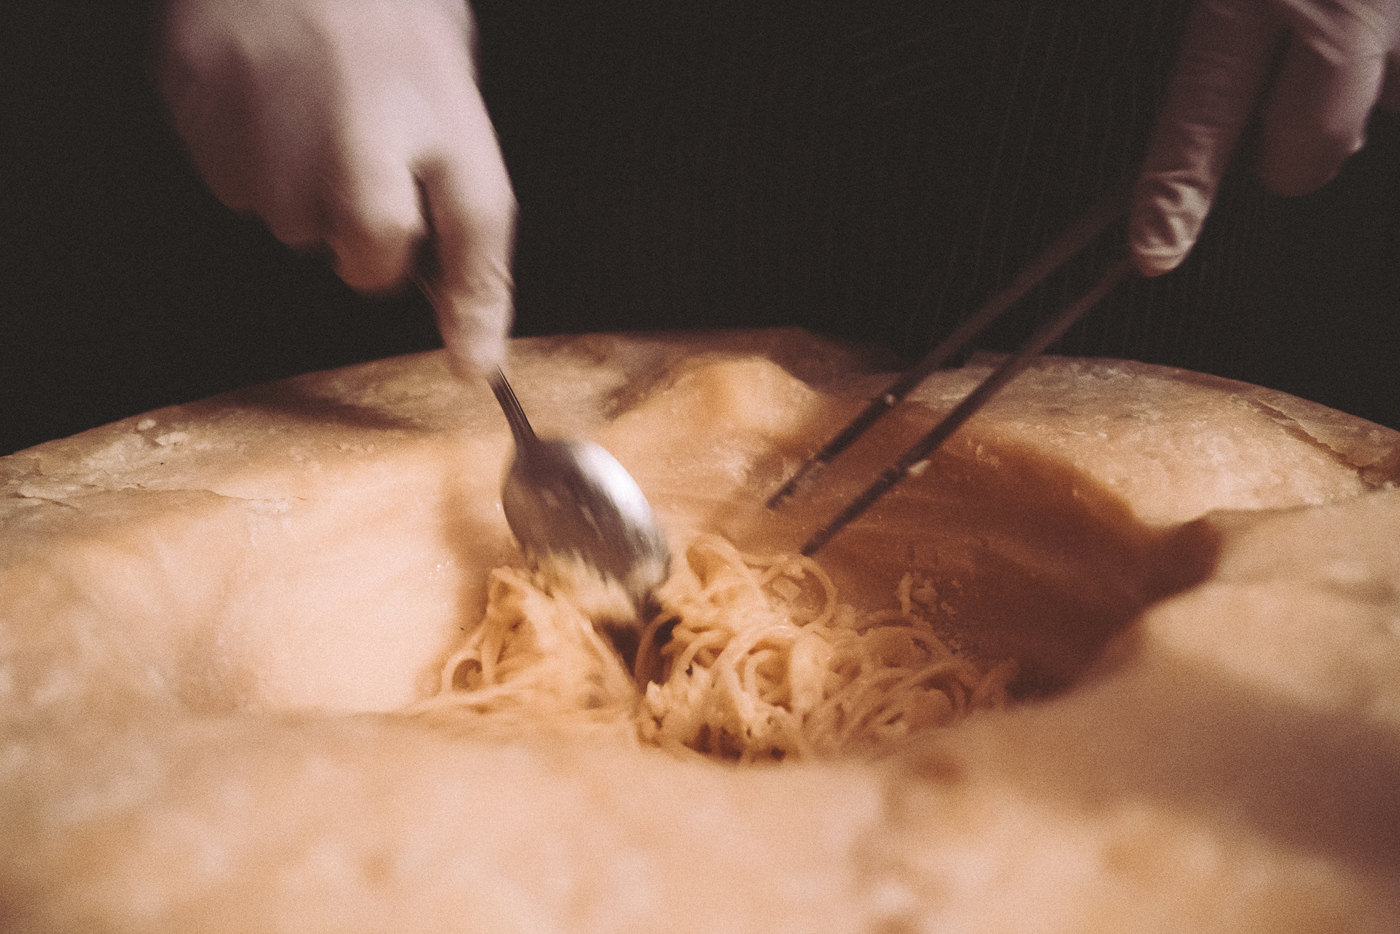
column 1071, row 242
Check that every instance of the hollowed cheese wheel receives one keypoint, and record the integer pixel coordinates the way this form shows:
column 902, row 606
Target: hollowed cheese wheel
column 212, row 616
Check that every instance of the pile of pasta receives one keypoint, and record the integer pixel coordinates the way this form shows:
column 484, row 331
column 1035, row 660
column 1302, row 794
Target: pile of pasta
column 746, row 658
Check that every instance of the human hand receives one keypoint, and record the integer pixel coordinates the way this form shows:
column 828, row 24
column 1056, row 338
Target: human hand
column 357, row 125
column 1312, row 70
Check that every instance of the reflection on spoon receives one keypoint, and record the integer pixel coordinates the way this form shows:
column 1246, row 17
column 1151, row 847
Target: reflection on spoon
column 572, row 499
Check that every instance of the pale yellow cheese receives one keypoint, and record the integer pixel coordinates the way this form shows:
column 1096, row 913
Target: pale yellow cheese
column 212, row 615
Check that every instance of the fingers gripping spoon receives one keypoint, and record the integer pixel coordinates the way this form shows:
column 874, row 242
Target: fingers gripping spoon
column 571, row 500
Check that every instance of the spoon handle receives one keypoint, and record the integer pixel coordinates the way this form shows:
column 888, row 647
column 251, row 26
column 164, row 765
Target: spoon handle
column 510, row 405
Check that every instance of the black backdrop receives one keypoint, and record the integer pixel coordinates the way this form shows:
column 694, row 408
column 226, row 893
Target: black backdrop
column 867, row 170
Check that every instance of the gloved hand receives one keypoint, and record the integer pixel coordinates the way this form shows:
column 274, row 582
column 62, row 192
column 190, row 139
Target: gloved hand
column 1312, row 70
column 357, row 125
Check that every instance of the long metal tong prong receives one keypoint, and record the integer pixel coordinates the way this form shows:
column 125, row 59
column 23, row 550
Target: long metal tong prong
column 1093, row 222
column 920, row 451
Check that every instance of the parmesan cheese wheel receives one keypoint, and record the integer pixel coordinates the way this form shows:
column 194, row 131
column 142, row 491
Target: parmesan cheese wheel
column 213, row 617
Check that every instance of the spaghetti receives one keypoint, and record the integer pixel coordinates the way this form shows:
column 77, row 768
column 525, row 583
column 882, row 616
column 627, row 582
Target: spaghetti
column 746, row 659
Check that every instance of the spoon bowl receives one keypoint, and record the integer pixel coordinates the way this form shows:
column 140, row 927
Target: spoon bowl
column 572, row 499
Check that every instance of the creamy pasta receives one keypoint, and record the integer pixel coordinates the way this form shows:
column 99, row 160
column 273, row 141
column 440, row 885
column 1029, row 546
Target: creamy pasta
column 744, row 658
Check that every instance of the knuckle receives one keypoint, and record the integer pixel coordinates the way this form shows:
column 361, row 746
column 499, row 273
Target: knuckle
column 370, row 270
column 295, row 229
column 373, row 244
column 379, row 231
column 1300, row 166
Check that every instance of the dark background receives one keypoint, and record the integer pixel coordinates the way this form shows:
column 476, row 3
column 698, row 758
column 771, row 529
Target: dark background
column 867, row 170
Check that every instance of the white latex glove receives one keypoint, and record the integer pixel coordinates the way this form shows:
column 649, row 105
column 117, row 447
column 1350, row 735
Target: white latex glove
column 357, row 125
column 1311, row 70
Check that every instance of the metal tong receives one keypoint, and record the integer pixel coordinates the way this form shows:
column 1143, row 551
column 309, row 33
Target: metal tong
column 1070, row 243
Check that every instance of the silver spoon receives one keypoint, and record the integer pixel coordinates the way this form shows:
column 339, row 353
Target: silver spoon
column 573, row 499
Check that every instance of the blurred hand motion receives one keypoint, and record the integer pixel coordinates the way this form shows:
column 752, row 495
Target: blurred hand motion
column 354, row 125
column 1310, row 71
